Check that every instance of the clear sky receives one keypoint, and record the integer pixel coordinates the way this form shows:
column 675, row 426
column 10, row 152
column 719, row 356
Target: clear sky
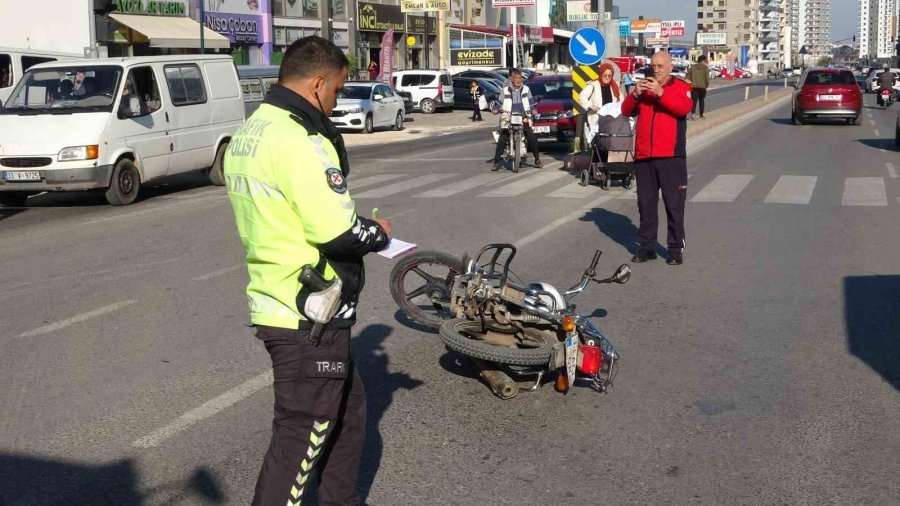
column 844, row 14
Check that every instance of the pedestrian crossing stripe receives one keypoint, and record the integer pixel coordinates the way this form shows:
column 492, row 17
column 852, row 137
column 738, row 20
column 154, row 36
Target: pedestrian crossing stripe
column 723, row 188
column 581, row 75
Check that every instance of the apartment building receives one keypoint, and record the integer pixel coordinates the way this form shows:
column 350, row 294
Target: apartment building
column 877, row 29
column 814, row 28
column 755, row 30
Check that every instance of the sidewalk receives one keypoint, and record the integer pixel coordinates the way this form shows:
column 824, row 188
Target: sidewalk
column 419, row 126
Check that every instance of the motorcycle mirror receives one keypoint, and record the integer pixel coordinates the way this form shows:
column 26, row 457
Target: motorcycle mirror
column 622, row 274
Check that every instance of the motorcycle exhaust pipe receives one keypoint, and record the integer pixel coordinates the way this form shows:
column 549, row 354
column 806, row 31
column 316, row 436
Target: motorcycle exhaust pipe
column 501, row 384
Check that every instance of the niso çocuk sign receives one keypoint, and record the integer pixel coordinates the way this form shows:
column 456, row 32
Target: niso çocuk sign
column 483, row 57
column 151, row 7
column 237, row 27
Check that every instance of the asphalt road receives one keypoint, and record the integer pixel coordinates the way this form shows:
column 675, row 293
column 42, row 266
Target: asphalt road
column 764, row 370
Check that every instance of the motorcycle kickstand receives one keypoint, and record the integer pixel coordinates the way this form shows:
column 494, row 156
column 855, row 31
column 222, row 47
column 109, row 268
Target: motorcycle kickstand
column 537, row 382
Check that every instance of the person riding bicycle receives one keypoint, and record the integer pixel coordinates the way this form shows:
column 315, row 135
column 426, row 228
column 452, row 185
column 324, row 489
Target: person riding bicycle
column 515, row 98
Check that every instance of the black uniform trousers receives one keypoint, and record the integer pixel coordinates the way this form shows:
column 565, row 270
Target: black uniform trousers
column 698, row 95
column 669, row 176
column 320, row 419
column 476, row 111
column 530, row 141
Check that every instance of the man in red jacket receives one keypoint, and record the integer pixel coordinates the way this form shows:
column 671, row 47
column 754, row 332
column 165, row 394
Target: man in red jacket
column 661, row 104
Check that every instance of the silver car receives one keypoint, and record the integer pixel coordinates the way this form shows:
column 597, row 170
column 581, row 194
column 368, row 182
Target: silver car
column 365, row 106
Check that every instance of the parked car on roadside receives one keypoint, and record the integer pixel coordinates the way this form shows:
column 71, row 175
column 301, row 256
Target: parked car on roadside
column 407, row 101
column 827, row 93
column 481, row 74
column 14, row 63
column 504, row 72
column 553, row 120
column 462, row 95
column 365, row 106
column 431, row 89
column 255, row 84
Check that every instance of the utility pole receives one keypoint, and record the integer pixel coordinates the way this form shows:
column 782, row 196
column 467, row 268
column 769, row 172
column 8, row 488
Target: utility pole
column 515, row 34
column 325, row 17
column 202, row 24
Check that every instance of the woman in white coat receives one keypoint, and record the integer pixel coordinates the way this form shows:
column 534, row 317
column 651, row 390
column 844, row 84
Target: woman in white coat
column 595, row 95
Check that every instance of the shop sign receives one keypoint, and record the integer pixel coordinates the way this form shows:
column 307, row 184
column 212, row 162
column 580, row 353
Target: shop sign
column 481, row 57
column 657, row 41
column 646, row 25
column 424, row 5
column 416, row 24
column 580, row 11
column 380, row 17
column 711, row 38
column 531, row 34
column 151, row 7
column 512, row 3
column 239, row 28
column 672, row 29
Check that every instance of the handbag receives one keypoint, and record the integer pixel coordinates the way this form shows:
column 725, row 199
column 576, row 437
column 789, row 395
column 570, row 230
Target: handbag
column 482, row 102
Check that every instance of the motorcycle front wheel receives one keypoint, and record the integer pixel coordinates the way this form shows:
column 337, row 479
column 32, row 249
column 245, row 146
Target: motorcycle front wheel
column 517, row 146
column 532, row 347
column 420, row 285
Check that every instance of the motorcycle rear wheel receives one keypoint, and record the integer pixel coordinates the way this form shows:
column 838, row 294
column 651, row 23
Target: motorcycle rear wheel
column 435, row 291
column 465, row 337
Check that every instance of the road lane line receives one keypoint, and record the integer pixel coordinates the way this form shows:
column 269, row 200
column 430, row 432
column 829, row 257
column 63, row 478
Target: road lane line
column 872, row 122
column 372, row 180
column 402, row 160
column 569, row 218
column 524, row 185
column 460, row 186
column 792, row 190
column 160, row 208
column 724, row 188
column 876, row 132
column 206, row 410
column 864, row 191
column 574, row 190
column 217, row 273
column 403, row 186
column 46, row 329
column 892, row 171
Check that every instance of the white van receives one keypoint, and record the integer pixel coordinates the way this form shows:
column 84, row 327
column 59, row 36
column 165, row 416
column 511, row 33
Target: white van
column 117, row 123
column 14, row 63
column 431, row 89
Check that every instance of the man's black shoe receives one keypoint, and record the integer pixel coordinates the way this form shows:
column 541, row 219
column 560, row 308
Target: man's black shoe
column 643, row 255
column 495, row 167
column 676, row 257
column 538, row 163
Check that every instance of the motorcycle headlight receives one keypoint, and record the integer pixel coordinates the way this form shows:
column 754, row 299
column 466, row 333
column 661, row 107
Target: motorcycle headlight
column 566, row 114
column 355, row 110
column 74, row 153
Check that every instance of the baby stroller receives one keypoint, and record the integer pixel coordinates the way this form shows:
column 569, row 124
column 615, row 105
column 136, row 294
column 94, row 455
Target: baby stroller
column 614, row 135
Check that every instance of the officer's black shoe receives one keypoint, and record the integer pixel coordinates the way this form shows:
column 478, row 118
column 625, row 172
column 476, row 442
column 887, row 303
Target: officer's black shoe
column 538, row 163
column 495, row 167
column 643, row 255
column 676, row 257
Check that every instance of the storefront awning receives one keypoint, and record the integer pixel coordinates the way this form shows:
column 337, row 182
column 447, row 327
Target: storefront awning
column 171, row 31
column 564, row 34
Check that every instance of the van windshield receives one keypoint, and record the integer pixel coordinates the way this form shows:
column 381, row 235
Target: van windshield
column 65, row 90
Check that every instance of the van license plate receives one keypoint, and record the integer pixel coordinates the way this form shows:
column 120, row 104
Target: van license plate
column 830, row 98
column 22, row 175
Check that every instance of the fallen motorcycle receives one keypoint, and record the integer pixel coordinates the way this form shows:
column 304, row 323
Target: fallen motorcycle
column 504, row 326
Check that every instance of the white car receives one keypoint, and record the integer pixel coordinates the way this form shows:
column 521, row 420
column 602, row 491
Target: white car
column 873, row 84
column 114, row 124
column 431, row 89
column 365, row 106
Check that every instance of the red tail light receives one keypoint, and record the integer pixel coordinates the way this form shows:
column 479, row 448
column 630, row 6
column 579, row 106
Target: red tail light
column 590, row 360
column 440, row 90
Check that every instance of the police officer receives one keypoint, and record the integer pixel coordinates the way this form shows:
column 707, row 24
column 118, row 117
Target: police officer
column 286, row 171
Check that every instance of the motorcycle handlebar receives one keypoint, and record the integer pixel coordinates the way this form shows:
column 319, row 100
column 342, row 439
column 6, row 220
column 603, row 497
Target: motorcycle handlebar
column 595, row 261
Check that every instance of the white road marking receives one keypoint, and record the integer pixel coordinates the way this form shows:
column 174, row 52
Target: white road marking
column 569, row 218
column 217, row 273
column 371, row 180
column 524, row 185
column 53, row 327
column 629, row 194
column 403, row 186
column 460, row 186
column 398, row 160
column 876, row 132
column 872, row 122
column 892, row 171
column 864, row 191
column 574, row 190
column 160, row 208
column 724, row 188
column 792, row 190
column 206, row 410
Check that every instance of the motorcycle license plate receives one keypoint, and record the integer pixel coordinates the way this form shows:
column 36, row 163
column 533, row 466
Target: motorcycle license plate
column 515, row 120
column 830, row 98
column 571, row 357
column 541, row 129
column 22, row 175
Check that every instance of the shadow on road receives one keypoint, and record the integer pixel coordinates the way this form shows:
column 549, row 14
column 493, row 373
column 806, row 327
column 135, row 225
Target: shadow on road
column 782, row 121
column 34, row 480
column 372, row 363
column 401, row 318
column 878, row 143
column 872, row 314
column 9, row 212
column 620, row 228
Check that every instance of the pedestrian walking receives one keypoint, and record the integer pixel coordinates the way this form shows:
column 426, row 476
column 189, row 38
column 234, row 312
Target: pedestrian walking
column 596, row 94
column 698, row 76
column 476, row 93
column 286, row 172
column 660, row 103
column 373, row 70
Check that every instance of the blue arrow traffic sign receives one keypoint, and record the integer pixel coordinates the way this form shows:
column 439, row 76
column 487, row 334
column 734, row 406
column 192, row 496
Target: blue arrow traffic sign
column 587, row 46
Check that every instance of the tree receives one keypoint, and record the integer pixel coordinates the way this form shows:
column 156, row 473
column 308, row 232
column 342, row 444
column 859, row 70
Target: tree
column 824, row 61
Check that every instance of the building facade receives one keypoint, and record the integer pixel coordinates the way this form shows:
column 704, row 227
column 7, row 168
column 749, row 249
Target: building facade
column 878, row 29
column 813, row 29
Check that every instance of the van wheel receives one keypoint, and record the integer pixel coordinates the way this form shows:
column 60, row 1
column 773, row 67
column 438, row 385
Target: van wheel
column 369, row 127
column 217, row 171
column 13, row 199
column 125, row 184
column 427, row 105
column 398, row 123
